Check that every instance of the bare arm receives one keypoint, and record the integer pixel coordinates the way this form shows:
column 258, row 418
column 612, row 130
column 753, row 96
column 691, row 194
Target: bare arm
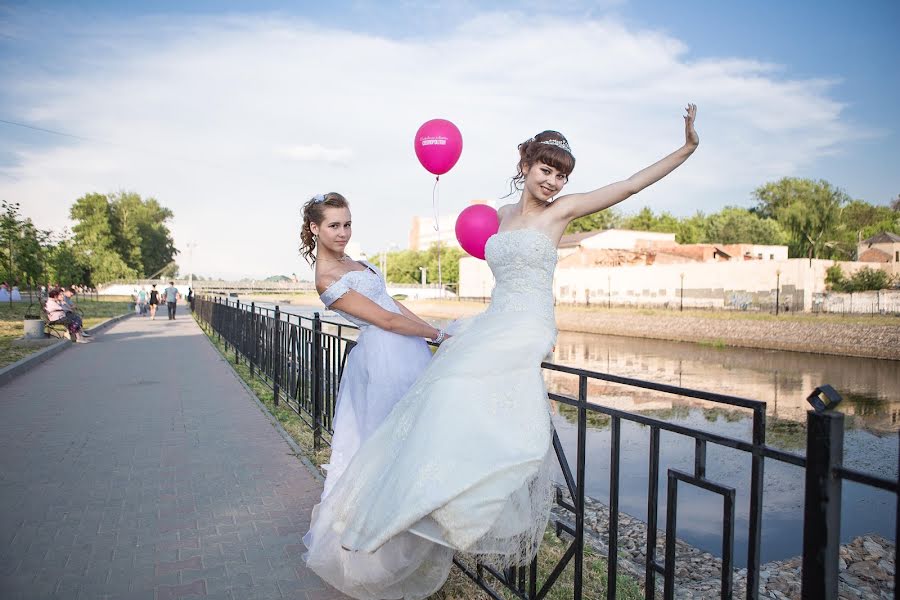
column 573, row 206
column 359, row 306
column 410, row 314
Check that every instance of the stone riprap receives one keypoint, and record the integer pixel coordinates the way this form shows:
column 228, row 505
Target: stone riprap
column 866, row 565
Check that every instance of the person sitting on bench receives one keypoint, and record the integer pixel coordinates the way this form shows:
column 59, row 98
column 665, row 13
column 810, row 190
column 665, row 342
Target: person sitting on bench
column 58, row 311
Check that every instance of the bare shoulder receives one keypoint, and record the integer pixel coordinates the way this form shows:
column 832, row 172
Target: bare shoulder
column 504, row 211
column 326, row 277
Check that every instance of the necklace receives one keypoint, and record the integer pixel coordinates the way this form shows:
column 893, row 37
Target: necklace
column 341, row 259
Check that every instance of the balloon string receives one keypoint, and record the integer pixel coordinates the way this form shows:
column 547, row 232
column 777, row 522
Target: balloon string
column 435, row 201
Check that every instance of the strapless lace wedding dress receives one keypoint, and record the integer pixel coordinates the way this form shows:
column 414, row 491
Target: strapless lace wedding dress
column 463, row 462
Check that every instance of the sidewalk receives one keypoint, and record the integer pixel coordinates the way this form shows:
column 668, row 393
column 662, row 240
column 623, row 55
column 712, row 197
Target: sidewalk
column 139, row 467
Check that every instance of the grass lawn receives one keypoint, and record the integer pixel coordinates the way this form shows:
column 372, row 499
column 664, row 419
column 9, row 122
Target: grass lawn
column 11, row 328
column 458, row 585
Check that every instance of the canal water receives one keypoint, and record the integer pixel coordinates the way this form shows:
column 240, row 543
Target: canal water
column 871, row 392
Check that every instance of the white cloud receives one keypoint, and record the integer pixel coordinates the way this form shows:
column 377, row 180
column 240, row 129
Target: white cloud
column 316, row 153
column 233, row 123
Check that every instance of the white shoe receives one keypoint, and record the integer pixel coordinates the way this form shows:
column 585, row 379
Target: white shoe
column 82, row 340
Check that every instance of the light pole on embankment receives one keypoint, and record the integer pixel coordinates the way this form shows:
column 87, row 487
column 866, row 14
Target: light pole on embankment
column 777, row 290
column 681, row 303
column 608, row 290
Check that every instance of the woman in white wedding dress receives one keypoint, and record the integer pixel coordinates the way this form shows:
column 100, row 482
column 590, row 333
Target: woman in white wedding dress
column 389, row 353
column 463, row 462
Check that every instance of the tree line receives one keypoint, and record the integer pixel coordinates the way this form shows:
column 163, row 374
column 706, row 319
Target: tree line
column 812, row 217
column 115, row 236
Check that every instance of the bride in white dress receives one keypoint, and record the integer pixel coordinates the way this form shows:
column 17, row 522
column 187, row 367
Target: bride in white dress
column 389, row 354
column 463, row 463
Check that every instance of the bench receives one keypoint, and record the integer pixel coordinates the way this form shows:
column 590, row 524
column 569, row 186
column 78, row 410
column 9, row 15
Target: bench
column 58, row 328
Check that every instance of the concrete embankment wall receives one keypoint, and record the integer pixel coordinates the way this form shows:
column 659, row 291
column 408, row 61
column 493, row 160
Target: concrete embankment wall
column 798, row 285
column 825, row 335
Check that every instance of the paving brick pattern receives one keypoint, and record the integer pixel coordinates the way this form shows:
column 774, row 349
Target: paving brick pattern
column 139, row 467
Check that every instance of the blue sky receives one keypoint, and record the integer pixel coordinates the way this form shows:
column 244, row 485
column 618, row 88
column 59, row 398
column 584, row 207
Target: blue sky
column 233, row 113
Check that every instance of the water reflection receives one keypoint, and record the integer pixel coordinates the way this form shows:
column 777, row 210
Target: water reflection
column 782, row 379
column 870, row 387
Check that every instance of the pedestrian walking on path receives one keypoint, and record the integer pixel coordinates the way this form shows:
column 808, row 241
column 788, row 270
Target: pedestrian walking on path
column 172, row 295
column 154, row 301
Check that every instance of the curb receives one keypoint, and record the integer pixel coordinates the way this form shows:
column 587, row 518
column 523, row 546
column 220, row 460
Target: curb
column 23, row 365
column 298, row 451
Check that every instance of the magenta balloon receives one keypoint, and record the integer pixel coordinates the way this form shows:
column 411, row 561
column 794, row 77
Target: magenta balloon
column 438, row 145
column 474, row 226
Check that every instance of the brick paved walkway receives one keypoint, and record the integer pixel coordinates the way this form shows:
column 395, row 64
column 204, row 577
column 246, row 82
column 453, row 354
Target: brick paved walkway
column 139, row 467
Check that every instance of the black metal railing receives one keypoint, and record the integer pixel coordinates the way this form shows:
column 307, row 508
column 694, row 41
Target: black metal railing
column 301, row 358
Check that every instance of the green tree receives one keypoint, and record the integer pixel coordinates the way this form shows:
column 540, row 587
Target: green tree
column 735, row 225
column 123, row 236
column 66, row 265
column 808, row 210
column 866, row 279
column 22, row 247
column 605, row 219
column 403, row 266
column 96, row 239
column 861, row 220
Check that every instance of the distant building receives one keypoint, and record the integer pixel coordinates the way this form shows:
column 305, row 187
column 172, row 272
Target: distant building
column 620, row 247
column 423, row 235
column 881, row 248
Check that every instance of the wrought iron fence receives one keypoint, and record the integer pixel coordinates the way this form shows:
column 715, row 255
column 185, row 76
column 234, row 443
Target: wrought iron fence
column 301, row 358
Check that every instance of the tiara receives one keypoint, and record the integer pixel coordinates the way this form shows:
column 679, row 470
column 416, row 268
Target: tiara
column 554, row 142
column 318, row 198
column 559, row 144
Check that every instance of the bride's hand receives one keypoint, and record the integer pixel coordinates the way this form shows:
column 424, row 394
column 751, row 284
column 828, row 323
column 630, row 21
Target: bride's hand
column 691, row 139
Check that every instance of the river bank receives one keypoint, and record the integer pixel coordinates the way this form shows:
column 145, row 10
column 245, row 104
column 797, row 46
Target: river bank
column 867, row 337
column 861, row 336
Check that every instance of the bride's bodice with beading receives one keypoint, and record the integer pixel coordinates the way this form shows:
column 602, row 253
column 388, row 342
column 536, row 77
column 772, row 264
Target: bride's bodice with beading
column 522, row 261
column 368, row 282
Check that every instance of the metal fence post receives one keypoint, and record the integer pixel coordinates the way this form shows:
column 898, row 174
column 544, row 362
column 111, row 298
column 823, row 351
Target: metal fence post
column 239, row 334
column 317, row 381
column 822, row 514
column 276, row 348
column 251, row 356
column 217, row 309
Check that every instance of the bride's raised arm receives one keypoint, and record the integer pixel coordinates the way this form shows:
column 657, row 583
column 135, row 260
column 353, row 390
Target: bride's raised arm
column 573, row 206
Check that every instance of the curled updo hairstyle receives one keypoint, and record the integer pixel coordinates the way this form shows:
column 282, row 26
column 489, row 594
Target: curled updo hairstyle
column 533, row 151
column 314, row 212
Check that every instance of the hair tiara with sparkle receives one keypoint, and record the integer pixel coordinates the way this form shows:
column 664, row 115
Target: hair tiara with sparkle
column 558, row 143
column 318, row 198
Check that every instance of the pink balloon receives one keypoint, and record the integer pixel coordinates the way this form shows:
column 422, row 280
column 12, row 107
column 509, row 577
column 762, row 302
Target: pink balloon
column 438, row 145
column 474, row 226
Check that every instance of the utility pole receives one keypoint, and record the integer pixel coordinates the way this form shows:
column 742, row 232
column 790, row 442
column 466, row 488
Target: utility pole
column 191, row 246
column 777, row 291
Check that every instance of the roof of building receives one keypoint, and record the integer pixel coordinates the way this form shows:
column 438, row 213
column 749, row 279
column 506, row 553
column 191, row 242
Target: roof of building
column 885, row 237
column 874, row 255
column 573, row 239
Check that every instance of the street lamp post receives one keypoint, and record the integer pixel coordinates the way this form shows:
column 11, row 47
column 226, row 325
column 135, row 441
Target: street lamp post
column 777, row 290
column 608, row 290
column 191, row 246
column 681, row 297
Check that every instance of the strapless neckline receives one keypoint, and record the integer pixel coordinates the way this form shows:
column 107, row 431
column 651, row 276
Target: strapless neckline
column 539, row 233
